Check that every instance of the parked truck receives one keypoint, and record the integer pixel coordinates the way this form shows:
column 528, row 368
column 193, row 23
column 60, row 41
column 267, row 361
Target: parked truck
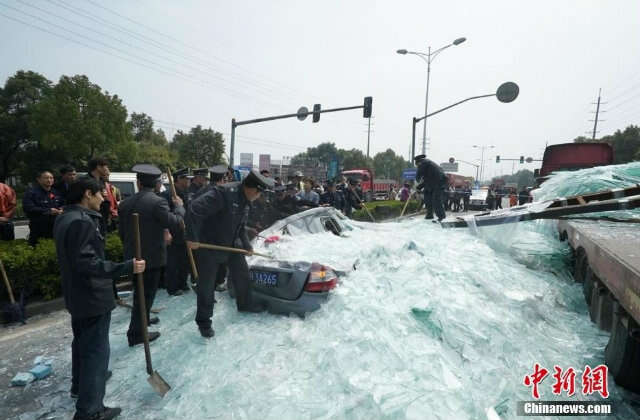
column 573, row 156
column 372, row 189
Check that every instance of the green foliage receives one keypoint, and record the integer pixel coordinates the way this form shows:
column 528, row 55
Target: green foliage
column 33, row 269
column 382, row 210
column 389, row 165
column 198, row 148
column 20, row 94
column 625, row 144
column 78, row 121
column 325, row 152
column 113, row 247
column 36, row 270
column 524, row 178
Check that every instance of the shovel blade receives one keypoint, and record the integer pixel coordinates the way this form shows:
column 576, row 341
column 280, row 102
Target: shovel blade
column 158, row 384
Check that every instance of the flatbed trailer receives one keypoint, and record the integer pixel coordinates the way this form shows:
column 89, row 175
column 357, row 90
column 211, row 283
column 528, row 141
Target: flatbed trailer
column 607, row 263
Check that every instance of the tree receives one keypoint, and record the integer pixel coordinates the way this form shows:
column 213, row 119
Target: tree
column 17, row 99
column 354, row 159
column 198, row 148
column 324, row 153
column 80, row 122
column 389, row 165
column 143, row 132
column 625, row 144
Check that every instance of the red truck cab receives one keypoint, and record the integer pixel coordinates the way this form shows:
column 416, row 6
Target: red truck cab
column 573, row 156
column 371, row 188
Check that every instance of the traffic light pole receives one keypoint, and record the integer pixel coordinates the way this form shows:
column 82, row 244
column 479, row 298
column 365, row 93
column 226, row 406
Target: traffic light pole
column 417, row 120
column 300, row 115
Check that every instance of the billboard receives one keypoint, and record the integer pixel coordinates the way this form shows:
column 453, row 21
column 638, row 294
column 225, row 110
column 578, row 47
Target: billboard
column 449, row 167
column 246, row 159
column 265, row 162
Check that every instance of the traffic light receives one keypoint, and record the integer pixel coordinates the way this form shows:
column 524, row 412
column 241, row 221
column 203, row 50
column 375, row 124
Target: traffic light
column 367, row 107
column 521, row 159
column 498, row 159
column 316, row 113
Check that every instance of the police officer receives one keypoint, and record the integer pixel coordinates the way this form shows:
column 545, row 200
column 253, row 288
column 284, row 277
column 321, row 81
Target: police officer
column 199, row 180
column 332, row 197
column 177, row 268
column 217, row 176
column 351, row 197
column 86, row 283
column 155, row 217
column 434, row 181
column 219, row 217
column 42, row 204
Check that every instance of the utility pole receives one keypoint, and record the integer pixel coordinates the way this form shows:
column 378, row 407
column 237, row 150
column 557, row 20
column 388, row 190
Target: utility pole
column 368, row 135
column 595, row 121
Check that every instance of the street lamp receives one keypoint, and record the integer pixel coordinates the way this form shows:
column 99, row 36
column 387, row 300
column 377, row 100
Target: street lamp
column 475, row 146
column 428, row 58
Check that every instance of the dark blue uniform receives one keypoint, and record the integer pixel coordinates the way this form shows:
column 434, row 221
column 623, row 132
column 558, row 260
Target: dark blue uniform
column 219, row 217
column 434, row 181
column 177, row 260
column 87, row 285
column 37, row 204
column 334, row 199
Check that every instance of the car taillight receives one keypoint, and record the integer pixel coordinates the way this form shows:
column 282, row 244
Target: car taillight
column 321, row 279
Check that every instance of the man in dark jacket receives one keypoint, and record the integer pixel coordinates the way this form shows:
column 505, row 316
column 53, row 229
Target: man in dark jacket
column 67, row 177
column 42, row 204
column 219, row 217
column 351, row 197
column 332, row 197
column 86, row 283
column 434, row 181
column 177, row 262
column 155, row 217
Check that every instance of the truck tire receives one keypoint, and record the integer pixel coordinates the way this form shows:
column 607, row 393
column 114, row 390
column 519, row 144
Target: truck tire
column 587, row 285
column 622, row 354
column 580, row 268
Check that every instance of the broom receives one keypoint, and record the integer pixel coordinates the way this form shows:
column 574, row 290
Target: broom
column 13, row 312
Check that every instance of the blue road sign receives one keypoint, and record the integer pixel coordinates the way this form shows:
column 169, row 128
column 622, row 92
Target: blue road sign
column 332, row 172
column 409, row 174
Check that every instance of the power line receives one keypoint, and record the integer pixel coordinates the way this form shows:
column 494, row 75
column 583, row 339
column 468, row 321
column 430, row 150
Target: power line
column 164, row 57
column 208, row 54
column 166, row 69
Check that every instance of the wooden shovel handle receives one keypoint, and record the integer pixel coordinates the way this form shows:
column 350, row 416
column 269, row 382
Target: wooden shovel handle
column 6, row 283
column 141, row 301
column 229, row 249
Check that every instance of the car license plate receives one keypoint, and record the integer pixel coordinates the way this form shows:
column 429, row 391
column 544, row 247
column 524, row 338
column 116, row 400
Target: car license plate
column 265, row 278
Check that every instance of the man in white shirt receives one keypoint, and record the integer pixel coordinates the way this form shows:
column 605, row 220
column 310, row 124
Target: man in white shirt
column 307, row 195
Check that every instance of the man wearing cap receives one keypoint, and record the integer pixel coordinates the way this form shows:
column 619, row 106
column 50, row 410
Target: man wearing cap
column 155, row 217
column 177, row 262
column 219, row 217
column 332, row 197
column 434, row 181
column 351, row 197
column 200, row 180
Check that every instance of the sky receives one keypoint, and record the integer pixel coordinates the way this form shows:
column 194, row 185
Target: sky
column 205, row 62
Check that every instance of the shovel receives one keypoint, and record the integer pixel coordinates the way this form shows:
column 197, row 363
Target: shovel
column 192, row 262
column 15, row 311
column 405, row 205
column 363, row 205
column 229, row 249
column 157, row 383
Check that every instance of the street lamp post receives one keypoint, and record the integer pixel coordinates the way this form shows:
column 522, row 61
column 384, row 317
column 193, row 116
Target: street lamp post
column 428, row 57
column 482, row 158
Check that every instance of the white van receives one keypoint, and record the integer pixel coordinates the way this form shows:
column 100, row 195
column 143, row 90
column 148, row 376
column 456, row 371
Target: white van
column 125, row 182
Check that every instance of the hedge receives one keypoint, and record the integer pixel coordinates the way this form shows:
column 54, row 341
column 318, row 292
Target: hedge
column 36, row 271
column 382, row 210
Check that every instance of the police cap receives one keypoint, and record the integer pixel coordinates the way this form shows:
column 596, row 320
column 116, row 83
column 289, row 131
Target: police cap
column 201, row 172
column 419, row 158
column 298, row 173
column 291, row 186
column 255, row 180
column 353, row 181
column 147, row 173
column 217, row 172
column 180, row 173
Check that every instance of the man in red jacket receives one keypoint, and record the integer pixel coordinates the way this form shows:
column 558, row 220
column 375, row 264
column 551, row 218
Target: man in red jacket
column 7, row 210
